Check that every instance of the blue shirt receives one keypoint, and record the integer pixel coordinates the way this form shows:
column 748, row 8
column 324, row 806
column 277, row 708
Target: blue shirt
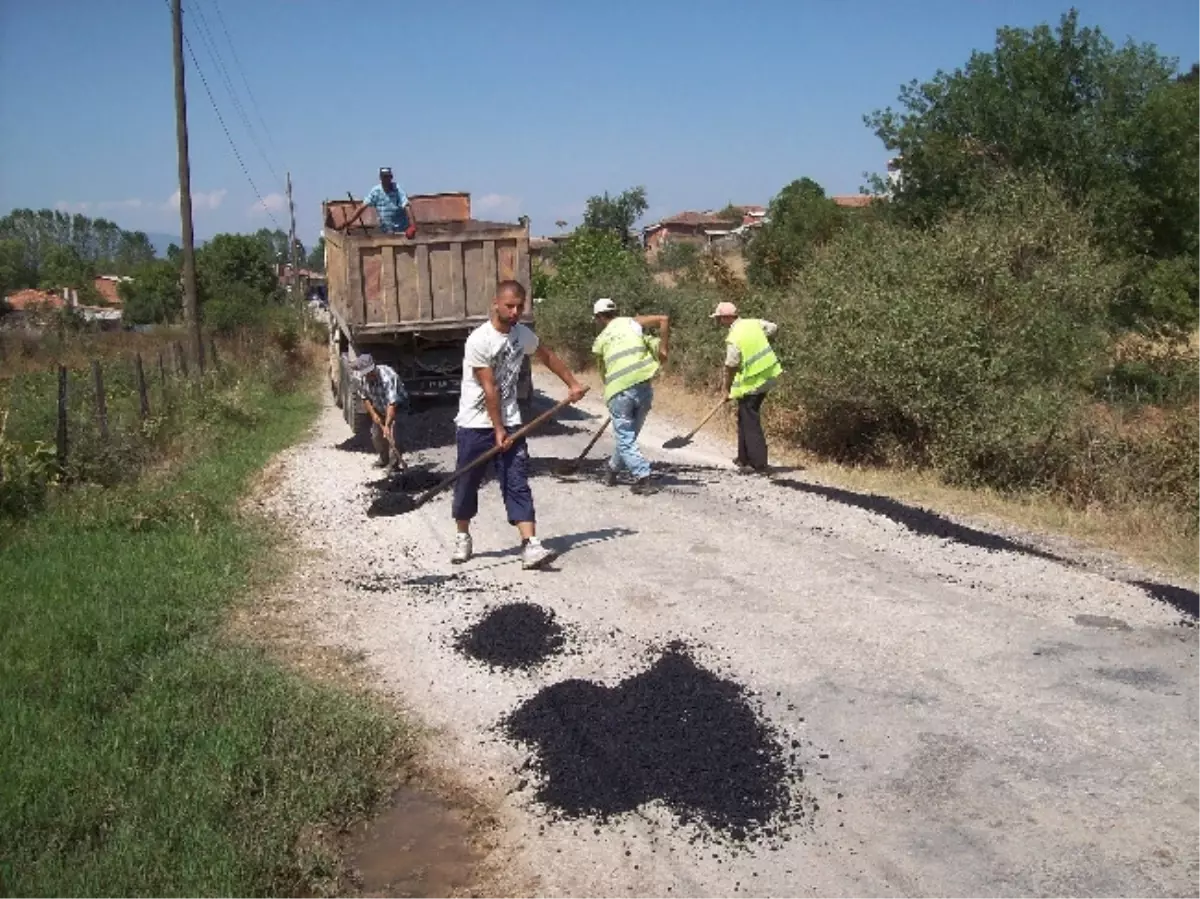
column 389, row 205
column 386, row 390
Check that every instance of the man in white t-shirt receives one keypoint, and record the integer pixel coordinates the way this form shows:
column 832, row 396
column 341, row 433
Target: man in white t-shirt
column 488, row 413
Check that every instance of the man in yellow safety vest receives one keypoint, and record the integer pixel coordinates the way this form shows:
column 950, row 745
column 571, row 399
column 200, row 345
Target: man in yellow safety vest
column 628, row 359
column 751, row 370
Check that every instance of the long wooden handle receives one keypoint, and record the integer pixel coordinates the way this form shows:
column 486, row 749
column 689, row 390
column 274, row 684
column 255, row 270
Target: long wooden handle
column 715, row 409
column 587, row 449
column 360, row 224
column 494, row 451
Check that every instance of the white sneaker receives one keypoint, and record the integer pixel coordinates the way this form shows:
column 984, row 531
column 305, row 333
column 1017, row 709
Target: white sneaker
column 534, row 555
column 462, row 549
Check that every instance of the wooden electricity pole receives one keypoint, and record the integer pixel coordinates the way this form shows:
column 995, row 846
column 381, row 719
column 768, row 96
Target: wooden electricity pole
column 191, row 310
column 292, row 239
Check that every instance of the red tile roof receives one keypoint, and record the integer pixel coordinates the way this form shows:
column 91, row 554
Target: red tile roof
column 107, row 288
column 23, row 299
column 853, row 201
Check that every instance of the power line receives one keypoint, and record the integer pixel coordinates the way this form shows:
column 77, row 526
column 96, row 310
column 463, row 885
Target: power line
column 225, row 128
column 206, row 37
column 238, row 64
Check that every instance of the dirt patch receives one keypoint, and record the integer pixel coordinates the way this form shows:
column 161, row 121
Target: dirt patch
column 676, row 733
column 518, row 635
column 419, row 845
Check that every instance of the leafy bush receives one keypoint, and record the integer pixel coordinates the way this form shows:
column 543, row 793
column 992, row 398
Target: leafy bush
column 25, row 475
column 964, row 347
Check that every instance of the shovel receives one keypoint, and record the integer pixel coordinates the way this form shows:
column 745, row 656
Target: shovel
column 429, row 494
column 680, row 442
column 572, row 467
column 360, row 223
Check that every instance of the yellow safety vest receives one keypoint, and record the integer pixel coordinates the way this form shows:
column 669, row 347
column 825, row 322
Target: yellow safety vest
column 626, row 355
column 759, row 362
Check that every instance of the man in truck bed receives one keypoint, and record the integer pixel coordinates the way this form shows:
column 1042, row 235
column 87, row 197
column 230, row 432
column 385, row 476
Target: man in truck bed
column 391, row 205
column 488, row 413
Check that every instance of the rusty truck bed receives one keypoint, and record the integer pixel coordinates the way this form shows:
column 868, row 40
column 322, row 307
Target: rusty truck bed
column 445, row 277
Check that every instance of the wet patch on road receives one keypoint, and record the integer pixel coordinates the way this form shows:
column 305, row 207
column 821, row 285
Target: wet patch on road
column 418, row 846
column 1101, row 621
column 1142, row 678
column 515, row 636
column 677, row 733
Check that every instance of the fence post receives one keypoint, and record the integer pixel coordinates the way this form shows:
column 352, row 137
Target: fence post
column 101, row 400
column 139, row 375
column 60, row 440
column 162, row 370
column 212, row 352
column 180, row 359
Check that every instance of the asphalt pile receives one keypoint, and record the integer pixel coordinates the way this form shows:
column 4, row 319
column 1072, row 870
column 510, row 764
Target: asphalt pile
column 675, row 732
column 516, row 635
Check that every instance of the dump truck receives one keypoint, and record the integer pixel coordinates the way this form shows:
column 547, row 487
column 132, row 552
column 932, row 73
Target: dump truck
column 412, row 303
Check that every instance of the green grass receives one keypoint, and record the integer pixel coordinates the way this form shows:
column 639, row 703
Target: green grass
column 142, row 753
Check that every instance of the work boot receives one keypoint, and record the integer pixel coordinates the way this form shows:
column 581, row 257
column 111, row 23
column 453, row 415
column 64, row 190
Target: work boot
column 535, row 555
column 645, row 487
column 381, row 463
column 462, row 549
column 610, row 477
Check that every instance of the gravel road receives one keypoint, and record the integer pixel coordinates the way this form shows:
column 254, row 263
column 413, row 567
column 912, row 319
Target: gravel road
column 764, row 687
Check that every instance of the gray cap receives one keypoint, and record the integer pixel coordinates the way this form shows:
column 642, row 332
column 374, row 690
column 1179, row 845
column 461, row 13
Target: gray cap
column 364, row 364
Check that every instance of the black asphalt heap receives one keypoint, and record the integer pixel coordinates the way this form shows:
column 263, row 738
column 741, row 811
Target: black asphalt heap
column 675, row 732
column 516, row 635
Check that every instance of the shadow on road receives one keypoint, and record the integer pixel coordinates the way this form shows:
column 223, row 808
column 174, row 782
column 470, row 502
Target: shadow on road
column 561, row 544
column 917, row 520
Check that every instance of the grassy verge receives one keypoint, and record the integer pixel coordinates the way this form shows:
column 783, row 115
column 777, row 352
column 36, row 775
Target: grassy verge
column 142, row 752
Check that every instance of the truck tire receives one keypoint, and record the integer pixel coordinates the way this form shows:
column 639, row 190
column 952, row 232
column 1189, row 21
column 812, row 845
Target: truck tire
column 335, row 363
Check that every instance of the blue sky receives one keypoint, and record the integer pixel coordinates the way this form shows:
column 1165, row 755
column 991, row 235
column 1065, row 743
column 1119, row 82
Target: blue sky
column 531, row 105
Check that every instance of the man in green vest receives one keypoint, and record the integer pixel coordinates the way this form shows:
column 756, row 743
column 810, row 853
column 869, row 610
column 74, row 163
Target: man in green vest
column 628, row 359
column 751, row 370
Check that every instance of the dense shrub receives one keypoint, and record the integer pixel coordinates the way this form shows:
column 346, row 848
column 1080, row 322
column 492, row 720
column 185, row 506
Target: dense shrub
column 965, row 346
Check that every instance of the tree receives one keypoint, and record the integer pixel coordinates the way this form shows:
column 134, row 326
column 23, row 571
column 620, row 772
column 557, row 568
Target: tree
column 61, row 267
column 799, row 219
column 99, row 243
column 561, row 224
column 616, row 214
column 316, row 259
column 155, row 293
column 1115, row 129
column 15, row 272
column 275, row 242
column 237, row 280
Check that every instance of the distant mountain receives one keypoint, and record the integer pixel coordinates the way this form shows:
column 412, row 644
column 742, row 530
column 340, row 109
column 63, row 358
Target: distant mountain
column 162, row 241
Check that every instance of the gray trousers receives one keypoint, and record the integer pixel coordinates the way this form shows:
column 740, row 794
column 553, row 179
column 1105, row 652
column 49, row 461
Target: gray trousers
column 380, row 444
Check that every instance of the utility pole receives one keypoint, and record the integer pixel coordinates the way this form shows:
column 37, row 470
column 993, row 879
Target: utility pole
column 191, row 306
column 292, row 242
column 296, row 297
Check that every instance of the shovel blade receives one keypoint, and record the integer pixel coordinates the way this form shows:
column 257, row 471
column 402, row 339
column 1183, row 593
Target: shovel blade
column 677, row 443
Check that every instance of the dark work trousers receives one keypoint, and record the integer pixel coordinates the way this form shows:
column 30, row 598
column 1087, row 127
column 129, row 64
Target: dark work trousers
column 752, row 442
column 512, row 472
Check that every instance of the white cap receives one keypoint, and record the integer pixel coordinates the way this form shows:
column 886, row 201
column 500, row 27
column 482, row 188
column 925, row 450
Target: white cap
column 604, row 304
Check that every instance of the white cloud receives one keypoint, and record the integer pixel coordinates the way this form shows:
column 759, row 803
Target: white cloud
column 499, row 205
column 272, row 202
column 64, row 206
column 200, row 199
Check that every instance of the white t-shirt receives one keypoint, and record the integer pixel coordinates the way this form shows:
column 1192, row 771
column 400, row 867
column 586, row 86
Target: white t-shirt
column 502, row 353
